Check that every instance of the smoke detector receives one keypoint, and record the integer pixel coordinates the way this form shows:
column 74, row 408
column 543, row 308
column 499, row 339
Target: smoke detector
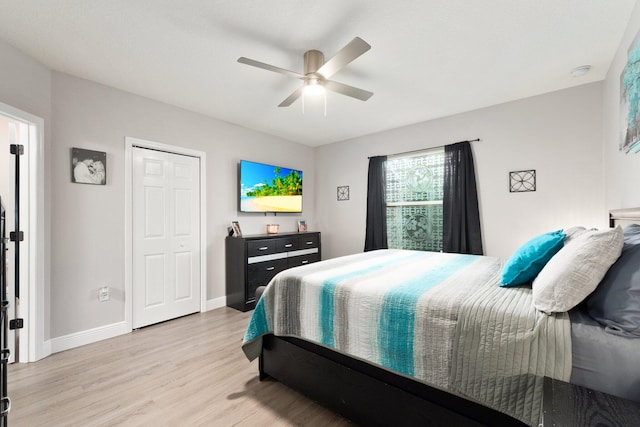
column 580, row 71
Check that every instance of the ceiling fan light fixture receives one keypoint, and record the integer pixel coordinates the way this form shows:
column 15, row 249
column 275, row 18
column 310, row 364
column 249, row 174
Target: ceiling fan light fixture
column 313, row 87
column 317, row 73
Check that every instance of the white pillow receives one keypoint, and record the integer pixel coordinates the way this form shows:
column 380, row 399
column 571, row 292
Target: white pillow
column 572, row 233
column 575, row 271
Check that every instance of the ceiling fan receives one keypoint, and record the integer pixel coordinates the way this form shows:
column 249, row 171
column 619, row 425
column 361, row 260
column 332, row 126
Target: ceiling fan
column 317, row 72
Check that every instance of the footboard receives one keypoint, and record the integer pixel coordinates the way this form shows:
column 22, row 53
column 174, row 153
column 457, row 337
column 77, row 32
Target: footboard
column 367, row 394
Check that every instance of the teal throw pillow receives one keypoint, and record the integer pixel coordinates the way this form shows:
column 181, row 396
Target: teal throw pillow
column 526, row 262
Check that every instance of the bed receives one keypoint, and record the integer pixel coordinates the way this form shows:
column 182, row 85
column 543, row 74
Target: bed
column 405, row 338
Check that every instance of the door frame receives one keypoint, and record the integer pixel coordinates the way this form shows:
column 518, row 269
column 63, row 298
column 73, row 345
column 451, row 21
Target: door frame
column 129, row 143
column 32, row 308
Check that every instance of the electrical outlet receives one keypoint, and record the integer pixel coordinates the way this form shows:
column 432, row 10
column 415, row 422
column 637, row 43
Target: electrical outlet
column 103, row 294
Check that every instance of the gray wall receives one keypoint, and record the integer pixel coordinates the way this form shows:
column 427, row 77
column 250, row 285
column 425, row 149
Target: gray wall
column 84, row 235
column 558, row 134
column 622, row 170
column 24, row 83
column 89, row 220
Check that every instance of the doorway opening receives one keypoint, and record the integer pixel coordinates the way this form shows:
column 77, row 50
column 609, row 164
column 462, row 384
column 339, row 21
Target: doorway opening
column 24, row 131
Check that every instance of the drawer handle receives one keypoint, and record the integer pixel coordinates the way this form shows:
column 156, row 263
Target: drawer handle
column 288, row 245
column 306, row 261
column 264, row 248
column 309, row 243
column 270, row 268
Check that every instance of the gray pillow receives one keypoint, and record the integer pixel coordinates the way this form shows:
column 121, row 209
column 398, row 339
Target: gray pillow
column 575, row 271
column 616, row 301
column 632, row 234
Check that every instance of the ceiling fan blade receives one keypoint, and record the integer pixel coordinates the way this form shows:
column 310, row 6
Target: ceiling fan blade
column 351, row 51
column 351, row 91
column 292, row 98
column 268, row 67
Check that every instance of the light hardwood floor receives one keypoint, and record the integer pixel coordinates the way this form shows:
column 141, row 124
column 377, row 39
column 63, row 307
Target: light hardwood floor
column 186, row 372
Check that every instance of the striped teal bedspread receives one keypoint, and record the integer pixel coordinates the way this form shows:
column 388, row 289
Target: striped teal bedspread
column 431, row 316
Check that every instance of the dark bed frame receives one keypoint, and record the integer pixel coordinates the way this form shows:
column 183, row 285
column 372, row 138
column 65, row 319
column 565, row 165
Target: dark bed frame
column 373, row 396
column 367, row 394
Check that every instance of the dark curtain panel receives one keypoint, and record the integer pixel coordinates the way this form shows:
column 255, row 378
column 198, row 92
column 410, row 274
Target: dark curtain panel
column 460, row 213
column 376, row 236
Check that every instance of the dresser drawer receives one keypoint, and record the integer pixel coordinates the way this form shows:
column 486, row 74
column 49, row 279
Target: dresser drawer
column 251, row 289
column 287, row 244
column 307, row 242
column 261, row 247
column 261, row 271
column 296, row 261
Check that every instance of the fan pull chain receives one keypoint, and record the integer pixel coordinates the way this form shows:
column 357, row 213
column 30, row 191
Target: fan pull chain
column 325, row 103
column 324, row 100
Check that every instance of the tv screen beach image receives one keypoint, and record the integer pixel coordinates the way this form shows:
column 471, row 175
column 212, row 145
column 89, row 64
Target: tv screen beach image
column 267, row 188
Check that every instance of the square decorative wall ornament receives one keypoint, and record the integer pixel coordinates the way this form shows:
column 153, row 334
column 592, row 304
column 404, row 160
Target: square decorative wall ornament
column 522, row 181
column 343, row 193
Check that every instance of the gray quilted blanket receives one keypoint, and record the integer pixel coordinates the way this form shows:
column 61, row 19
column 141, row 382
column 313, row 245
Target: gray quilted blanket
column 440, row 318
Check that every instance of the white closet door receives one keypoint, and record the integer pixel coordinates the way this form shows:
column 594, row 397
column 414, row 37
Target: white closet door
column 166, row 236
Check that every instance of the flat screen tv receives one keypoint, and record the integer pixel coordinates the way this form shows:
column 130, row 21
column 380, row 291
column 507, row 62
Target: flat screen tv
column 269, row 188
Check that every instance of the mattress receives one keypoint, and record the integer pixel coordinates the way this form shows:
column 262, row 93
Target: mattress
column 604, row 361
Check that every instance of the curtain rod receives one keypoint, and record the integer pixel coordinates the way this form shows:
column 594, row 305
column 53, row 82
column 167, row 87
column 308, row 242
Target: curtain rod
column 430, row 148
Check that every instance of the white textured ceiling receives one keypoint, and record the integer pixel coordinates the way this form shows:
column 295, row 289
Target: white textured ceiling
column 429, row 58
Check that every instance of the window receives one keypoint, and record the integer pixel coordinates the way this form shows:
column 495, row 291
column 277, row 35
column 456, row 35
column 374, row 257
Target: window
column 414, row 200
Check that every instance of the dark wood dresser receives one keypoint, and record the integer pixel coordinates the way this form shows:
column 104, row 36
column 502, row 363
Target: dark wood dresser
column 252, row 261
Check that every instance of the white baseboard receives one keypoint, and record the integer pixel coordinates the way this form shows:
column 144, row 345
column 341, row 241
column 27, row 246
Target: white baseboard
column 45, row 351
column 87, row 337
column 212, row 304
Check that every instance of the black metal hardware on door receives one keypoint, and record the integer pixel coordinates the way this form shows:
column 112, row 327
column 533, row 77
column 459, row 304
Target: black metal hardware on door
column 16, row 324
column 12, row 236
column 16, row 149
column 16, row 236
